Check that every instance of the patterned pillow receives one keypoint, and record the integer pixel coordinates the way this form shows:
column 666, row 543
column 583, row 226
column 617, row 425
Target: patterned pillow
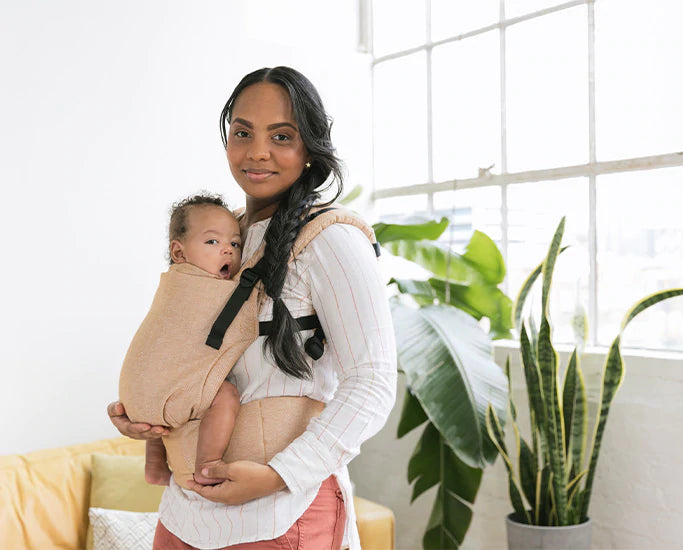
column 119, row 530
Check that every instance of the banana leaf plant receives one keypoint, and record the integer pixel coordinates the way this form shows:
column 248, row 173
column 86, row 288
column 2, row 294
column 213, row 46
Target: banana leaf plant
column 549, row 481
column 447, row 358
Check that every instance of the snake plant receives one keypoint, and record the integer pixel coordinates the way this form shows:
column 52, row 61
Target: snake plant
column 549, row 481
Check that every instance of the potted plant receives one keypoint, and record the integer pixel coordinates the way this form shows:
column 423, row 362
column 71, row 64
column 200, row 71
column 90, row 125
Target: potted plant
column 446, row 357
column 549, row 482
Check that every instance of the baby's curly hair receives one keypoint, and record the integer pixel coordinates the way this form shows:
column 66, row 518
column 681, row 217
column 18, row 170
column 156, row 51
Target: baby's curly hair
column 177, row 227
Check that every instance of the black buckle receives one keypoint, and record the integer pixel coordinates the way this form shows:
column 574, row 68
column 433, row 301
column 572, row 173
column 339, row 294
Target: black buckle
column 249, row 278
column 315, row 346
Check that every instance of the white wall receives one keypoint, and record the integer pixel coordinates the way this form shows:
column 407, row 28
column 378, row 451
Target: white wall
column 109, row 113
column 638, row 484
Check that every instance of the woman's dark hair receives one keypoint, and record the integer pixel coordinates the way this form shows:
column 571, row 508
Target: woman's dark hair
column 314, row 125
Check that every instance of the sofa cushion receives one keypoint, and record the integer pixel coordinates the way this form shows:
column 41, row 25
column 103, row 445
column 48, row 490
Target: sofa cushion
column 119, row 530
column 118, row 483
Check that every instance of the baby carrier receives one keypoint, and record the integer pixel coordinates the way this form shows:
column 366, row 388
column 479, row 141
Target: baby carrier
column 197, row 327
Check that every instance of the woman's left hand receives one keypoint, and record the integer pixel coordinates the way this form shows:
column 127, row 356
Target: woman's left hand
column 244, row 481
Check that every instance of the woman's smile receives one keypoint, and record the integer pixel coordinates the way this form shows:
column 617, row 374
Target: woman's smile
column 257, row 175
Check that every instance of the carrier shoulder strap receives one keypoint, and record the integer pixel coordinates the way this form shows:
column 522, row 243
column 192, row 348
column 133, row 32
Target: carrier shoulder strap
column 318, row 220
column 322, row 218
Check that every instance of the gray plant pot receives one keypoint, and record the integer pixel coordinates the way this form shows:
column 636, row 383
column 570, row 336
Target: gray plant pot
column 533, row 537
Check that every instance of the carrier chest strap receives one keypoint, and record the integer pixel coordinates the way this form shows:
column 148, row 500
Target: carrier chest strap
column 314, row 346
column 248, row 280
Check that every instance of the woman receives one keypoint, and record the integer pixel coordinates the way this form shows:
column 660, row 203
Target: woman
column 277, row 137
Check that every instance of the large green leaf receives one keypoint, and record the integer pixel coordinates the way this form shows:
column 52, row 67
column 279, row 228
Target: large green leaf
column 459, row 478
column 412, row 414
column 434, row 463
column 423, row 464
column 447, row 361
column 448, row 522
column 430, row 230
column 421, row 290
column 435, row 258
column 481, row 251
column 479, row 300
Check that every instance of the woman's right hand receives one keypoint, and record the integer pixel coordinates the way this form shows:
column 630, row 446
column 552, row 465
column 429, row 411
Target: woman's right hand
column 134, row 430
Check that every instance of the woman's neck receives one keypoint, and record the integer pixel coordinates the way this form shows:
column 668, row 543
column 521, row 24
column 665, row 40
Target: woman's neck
column 256, row 211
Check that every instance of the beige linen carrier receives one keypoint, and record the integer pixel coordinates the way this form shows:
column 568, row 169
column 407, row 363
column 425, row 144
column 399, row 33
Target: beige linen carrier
column 170, row 376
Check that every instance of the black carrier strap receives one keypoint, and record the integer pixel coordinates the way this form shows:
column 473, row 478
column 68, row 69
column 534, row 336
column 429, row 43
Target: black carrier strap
column 305, row 323
column 248, row 280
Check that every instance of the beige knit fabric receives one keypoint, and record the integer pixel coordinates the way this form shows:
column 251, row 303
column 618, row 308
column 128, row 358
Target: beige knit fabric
column 170, row 376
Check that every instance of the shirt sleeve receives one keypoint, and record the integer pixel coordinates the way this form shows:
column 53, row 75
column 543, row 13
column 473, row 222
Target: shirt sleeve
column 350, row 300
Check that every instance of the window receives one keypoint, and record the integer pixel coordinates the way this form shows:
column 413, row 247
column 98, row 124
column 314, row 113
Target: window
column 506, row 115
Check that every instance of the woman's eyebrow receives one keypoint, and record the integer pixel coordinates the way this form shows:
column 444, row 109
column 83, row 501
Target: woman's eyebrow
column 242, row 122
column 269, row 127
column 281, row 124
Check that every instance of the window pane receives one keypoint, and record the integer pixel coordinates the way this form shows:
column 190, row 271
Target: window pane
column 535, row 209
column 466, row 106
column 515, row 8
column 547, row 83
column 400, row 121
column 398, row 26
column 467, row 210
column 638, row 88
column 640, row 244
column 451, row 18
column 396, row 209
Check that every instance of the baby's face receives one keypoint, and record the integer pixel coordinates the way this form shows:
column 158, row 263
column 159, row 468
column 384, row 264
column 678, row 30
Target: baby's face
column 212, row 241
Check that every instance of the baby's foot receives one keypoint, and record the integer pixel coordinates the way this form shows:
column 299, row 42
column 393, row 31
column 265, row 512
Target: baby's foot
column 157, row 474
column 203, row 480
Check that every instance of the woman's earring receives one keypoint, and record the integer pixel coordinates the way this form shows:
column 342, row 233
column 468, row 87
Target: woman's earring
column 308, row 165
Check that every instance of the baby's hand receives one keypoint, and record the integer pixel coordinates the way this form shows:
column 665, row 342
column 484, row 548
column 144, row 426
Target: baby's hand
column 203, row 480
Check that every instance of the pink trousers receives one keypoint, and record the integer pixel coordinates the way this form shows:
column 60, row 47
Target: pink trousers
column 321, row 527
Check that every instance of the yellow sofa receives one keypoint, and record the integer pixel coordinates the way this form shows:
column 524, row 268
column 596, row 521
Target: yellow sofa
column 44, row 499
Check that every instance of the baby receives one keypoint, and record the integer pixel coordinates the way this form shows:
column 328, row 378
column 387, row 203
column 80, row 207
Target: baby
column 206, row 234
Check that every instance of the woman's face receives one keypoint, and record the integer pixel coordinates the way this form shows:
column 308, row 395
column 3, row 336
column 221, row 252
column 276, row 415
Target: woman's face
column 265, row 151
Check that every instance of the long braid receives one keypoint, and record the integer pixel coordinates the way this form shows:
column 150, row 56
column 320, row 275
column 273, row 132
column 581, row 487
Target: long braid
column 280, row 236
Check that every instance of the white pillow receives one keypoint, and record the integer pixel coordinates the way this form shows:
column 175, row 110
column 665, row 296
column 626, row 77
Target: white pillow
column 119, row 530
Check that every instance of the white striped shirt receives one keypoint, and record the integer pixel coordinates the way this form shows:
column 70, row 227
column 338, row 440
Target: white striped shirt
column 337, row 277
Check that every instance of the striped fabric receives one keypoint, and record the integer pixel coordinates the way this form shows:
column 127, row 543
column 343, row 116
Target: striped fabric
column 336, row 276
